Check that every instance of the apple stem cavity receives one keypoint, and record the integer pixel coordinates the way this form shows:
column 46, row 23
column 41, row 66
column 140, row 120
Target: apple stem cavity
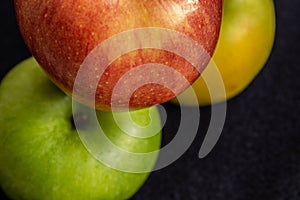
column 80, row 120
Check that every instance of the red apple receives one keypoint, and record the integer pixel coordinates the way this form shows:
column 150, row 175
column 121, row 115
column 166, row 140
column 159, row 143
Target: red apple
column 63, row 34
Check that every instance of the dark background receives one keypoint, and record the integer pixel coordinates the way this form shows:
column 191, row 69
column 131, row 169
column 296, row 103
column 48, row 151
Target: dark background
column 258, row 154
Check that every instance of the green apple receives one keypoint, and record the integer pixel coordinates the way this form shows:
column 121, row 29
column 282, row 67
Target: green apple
column 42, row 156
column 245, row 43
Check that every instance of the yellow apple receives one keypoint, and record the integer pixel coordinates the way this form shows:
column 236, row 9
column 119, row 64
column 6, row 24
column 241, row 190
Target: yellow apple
column 245, row 42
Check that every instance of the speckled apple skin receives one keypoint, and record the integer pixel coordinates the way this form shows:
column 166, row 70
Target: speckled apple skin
column 60, row 34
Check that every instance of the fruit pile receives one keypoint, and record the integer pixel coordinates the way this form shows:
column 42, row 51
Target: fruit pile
column 107, row 64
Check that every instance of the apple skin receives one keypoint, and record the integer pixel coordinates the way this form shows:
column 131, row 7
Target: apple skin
column 61, row 34
column 41, row 154
column 245, row 43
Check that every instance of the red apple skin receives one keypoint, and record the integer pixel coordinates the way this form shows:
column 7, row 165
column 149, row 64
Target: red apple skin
column 60, row 34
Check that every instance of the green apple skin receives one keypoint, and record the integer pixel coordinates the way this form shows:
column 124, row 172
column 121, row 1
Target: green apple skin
column 42, row 156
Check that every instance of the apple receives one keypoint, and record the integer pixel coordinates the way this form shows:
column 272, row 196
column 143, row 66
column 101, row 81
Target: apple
column 245, row 43
column 62, row 34
column 42, row 156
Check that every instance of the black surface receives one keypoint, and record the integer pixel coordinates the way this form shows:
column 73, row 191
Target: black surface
column 258, row 154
